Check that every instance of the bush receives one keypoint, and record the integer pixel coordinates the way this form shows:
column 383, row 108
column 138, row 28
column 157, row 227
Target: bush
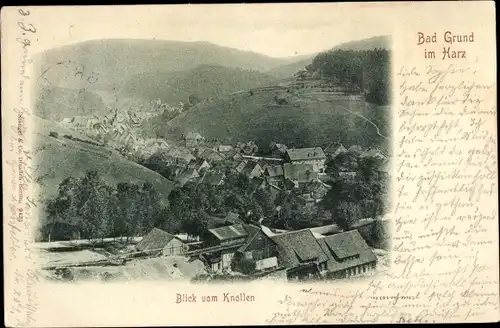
column 54, row 134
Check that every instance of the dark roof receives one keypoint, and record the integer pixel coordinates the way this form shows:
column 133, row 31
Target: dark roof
column 252, row 232
column 197, row 163
column 216, row 222
column 156, row 239
column 233, row 153
column 185, row 176
column 305, row 154
column 343, row 245
column 298, row 247
column 229, row 232
column 274, row 171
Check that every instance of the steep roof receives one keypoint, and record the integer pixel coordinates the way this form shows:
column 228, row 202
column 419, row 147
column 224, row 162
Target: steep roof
column 343, row 245
column 298, row 247
column 299, row 154
column 154, row 240
column 274, row 171
column 233, row 153
column 253, row 231
column 373, row 152
column 336, row 150
column 250, row 166
column 185, row 176
column 229, row 232
column 197, row 163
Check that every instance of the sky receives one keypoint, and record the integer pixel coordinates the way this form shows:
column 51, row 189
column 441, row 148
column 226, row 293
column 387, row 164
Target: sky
column 276, row 30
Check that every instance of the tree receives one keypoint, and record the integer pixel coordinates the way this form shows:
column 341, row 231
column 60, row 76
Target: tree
column 264, row 199
column 193, row 99
column 346, row 214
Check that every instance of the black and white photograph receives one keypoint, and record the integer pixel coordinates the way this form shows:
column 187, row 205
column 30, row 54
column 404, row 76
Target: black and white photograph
column 203, row 162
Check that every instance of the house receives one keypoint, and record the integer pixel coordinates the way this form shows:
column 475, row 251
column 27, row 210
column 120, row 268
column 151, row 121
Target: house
column 193, row 138
column 314, row 156
column 347, row 176
column 224, row 240
column 210, row 155
column 185, row 177
column 223, row 148
column 355, row 149
column 259, row 248
column 233, row 218
column 224, row 236
column 373, row 153
column 213, row 178
column 234, row 155
column 348, row 254
column 158, row 242
column 239, row 166
column 299, row 173
column 301, row 254
column 335, row 150
column 199, row 164
column 274, row 175
column 177, row 156
column 252, row 170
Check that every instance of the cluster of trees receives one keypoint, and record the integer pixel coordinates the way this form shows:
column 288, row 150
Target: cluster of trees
column 293, row 215
column 89, row 208
column 194, row 205
column 364, row 196
column 359, row 71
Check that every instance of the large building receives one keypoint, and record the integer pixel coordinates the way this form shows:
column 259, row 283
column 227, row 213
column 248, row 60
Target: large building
column 159, row 242
column 308, row 255
column 259, row 248
column 314, row 156
column 300, row 254
column 348, row 254
column 225, row 240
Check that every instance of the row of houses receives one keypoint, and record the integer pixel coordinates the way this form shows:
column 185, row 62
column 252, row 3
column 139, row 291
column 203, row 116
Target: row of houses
column 303, row 254
column 300, row 171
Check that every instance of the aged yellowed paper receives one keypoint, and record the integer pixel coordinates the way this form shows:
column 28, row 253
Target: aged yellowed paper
column 250, row 164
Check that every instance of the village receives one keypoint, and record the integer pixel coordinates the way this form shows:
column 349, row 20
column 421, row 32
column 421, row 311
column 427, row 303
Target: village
column 239, row 245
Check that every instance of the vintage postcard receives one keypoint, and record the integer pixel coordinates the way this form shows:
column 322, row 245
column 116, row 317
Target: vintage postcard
column 250, row 164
